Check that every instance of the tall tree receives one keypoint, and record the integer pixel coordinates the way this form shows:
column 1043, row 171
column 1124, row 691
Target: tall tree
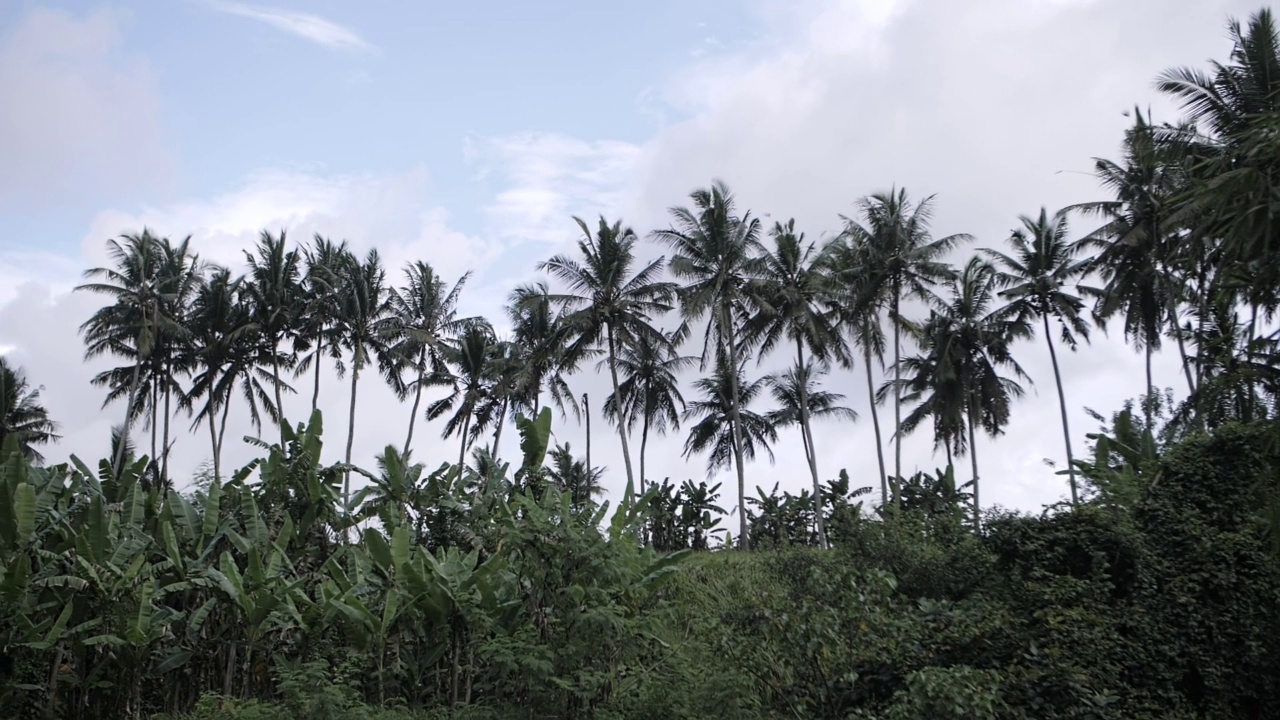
column 426, row 316
column 217, row 324
column 366, row 331
column 904, row 260
column 792, row 293
column 798, row 395
column 180, row 276
column 22, row 416
column 724, row 396
column 650, row 389
column 542, row 338
column 317, row 334
column 967, row 342
column 608, row 305
column 469, row 359
column 1037, row 279
column 274, row 292
column 717, row 253
column 130, row 327
column 856, row 308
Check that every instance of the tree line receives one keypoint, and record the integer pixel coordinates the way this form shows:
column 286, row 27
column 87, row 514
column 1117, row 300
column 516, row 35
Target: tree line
column 1180, row 251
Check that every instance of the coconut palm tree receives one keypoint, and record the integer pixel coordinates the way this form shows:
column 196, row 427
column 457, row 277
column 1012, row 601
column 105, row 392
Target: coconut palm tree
column 791, row 295
column 469, row 373
column 217, row 324
column 542, row 338
column 1036, row 280
column 726, row 394
column 426, row 315
column 904, row 261
column 364, row 329
column 274, row 292
column 573, row 477
column 650, row 389
column 608, row 306
column 180, row 276
column 132, row 325
column 717, row 255
column 855, row 309
column 22, row 417
column 317, row 335
column 967, row 343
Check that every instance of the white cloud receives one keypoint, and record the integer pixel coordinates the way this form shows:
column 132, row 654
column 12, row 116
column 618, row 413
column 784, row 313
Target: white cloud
column 77, row 109
column 304, row 25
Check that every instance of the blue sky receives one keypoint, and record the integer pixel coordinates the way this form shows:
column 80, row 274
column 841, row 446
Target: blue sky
column 467, row 134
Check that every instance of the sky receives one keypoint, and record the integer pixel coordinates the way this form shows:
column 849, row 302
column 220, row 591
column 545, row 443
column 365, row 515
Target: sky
column 468, row 135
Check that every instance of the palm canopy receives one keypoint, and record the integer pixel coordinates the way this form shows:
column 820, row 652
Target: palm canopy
column 542, row 336
column 274, row 296
column 424, row 315
column 786, row 388
column 791, row 296
column 1036, row 277
column 317, row 335
column 22, row 417
column 650, row 390
column 712, row 433
column 604, row 300
column 716, row 253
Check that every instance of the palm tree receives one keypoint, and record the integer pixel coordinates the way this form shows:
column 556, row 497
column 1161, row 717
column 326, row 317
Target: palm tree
column 726, row 395
column 541, row 336
column 967, row 343
column 317, row 334
column 364, row 308
column 1035, row 279
column 218, row 325
column 791, row 295
column 426, row 315
column 650, row 389
column 131, row 325
column 274, row 292
column 180, row 276
column 854, row 308
column 717, row 254
column 903, row 260
column 22, row 417
column 606, row 304
column 469, row 359
column 573, row 477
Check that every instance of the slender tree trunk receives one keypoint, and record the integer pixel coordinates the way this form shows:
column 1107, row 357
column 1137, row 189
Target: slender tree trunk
column 586, row 412
column 1182, row 351
column 155, row 421
column 315, row 388
column 275, row 382
column 351, row 429
column 973, row 460
column 1062, row 406
column 222, row 430
column 875, row 423
column 213, row 437
column 897, row 400
column 644, row 443
column 497, row 434
column 164, row 457
column 118, row 463
column 736, row 428
column 462, row 453
column 1147, row 403
column 622, row 426
column 417, row 399
column 810, row 450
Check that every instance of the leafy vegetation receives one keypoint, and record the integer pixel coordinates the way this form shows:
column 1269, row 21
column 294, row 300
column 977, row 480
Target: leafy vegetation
column 302, row 586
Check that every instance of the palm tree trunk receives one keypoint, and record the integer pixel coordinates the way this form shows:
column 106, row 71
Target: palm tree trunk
column 736, row 428
column 351, row 431
column 497, row 433
column 1062, row 406
column 417, row 398
column 897, row 400
column 1147, row 402
column 117, row 463
column 644, row 442
column 875, row 423
column 586, row 412
column 164, row 462
column 809, row 450
column 222, row 430
column 1182, row 350
column 213, row 435
column 315, row 389
column 155, row 420
column 622, row 426
column 275, row 382
column 462, row 452
column 973, row 460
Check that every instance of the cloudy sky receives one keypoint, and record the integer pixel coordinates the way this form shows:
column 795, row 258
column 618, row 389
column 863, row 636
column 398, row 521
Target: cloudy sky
column 467, row 134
